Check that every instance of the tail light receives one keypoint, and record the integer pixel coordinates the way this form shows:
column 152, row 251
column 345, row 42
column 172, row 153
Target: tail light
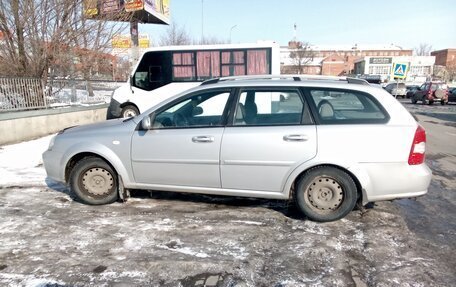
column 418, row 147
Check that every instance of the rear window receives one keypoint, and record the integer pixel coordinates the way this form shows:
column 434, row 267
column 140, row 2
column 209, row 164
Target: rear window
column 347, row 107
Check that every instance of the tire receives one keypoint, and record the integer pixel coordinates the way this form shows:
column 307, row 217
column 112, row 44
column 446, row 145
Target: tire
column 423, row 100
column 101, row 177
column 413, row 100
column 129, row 111
column 326, row 194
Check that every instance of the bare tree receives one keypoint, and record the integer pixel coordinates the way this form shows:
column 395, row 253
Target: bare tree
column 423, row 49
column 175, row 35
column 300, row 54
column 45, row 36
column 210, row 40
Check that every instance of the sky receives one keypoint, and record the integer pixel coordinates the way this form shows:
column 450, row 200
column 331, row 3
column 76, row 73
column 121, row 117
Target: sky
column 319, row 22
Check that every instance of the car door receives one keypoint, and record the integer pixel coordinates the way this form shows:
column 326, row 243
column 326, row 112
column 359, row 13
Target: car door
column 270, row 134
column 183, row 147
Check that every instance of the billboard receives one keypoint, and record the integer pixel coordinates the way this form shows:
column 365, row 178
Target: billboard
column 110, row 6
column 134, row 5
column 158, row 8
column 124, row 41
column 143, row 11
column 90, row 8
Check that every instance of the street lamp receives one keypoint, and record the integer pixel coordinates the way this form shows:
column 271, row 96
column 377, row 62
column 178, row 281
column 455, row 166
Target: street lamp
column 231, row 29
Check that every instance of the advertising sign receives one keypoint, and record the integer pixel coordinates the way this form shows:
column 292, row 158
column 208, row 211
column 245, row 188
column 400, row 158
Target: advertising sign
column 144, row 41
column 158, row 8
column 90, row 8
column 110, row 6
column 124, row 41
column 121, row 42
column 134, row 5
column 380, row 61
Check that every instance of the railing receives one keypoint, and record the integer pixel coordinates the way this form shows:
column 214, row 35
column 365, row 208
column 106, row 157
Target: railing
column 18, row 94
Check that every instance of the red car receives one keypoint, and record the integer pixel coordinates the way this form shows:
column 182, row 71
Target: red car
column 431, row 92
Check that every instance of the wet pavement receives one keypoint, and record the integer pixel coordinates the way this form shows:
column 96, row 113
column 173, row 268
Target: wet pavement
column 173, row 239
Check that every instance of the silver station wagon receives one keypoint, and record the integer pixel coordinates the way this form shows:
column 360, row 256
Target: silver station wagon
column 326, row 143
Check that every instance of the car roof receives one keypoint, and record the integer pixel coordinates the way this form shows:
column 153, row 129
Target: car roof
column 286, row 80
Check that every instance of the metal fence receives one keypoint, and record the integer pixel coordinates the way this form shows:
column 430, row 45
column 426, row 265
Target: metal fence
column 18, row 94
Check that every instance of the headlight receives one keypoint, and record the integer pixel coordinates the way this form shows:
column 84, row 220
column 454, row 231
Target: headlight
column 51, row 143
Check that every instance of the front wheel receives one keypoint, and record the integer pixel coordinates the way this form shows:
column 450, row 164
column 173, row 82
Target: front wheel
column 129, row 111
column 326, row 194
column 94, row 182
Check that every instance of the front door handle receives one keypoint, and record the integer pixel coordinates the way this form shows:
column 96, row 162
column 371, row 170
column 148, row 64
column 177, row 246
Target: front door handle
column 203, row 139
column 295, row 138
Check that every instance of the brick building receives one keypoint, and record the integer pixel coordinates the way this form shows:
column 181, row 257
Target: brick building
column 445, row 64
column 446, row 57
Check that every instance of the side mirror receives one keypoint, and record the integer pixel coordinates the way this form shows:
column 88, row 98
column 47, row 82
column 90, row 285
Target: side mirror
column 146, row 122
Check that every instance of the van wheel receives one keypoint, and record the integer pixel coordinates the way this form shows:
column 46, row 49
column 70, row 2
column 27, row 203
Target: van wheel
column 129, row 111
column 326, row 194
column 94, row 182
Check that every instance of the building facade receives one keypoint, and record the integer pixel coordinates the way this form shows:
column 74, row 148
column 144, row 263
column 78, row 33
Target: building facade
column 420, row 68
column 445, row 64
column 338, row 60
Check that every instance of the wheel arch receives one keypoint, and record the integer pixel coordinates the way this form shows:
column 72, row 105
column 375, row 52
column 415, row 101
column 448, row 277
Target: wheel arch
column 83, row 150
column 359, row 176
column 128, row 103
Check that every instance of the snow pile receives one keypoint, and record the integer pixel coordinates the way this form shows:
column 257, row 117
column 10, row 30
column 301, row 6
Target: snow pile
column 22, row 164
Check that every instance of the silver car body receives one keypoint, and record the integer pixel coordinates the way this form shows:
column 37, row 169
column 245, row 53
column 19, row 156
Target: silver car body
column 252, row 161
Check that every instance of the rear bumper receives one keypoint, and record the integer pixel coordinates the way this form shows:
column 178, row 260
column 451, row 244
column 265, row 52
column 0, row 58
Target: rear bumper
column 397, row 180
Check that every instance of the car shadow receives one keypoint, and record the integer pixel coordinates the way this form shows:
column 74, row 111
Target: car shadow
column 287, row 208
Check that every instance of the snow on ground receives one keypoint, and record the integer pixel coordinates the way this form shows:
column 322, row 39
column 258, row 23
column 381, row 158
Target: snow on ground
column 21, row 164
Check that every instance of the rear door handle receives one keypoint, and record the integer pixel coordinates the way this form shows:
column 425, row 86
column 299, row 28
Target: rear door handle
column 203, row 139
column 295, row 138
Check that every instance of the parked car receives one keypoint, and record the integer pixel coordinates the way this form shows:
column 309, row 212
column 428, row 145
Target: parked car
column 431, row 92
column 327, row 144
column 452, row 95
column 411, row 89
column 396, row 89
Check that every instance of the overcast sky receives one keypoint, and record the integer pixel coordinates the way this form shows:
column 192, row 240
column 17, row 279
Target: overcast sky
column 319, row 22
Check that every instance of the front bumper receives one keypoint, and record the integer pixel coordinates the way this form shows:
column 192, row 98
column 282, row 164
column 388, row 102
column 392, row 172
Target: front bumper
column 53, row 166
column 114, row 110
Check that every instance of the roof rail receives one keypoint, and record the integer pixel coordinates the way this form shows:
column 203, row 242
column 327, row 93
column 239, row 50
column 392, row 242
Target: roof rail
column 296, row 78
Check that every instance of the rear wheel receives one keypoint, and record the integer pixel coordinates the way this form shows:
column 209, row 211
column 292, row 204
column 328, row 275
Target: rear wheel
column 93, row 181
column 413, row 100
column 326, row 194
column 129, row 111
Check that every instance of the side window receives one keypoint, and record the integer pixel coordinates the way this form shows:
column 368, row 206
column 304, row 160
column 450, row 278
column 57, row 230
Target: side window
column 263, row 107
column 201, row 110
column 346, row 107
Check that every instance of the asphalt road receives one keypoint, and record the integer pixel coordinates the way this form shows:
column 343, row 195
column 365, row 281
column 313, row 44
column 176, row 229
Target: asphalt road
column 172, row 239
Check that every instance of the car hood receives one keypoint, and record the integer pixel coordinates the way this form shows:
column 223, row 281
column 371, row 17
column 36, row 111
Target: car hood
column 104, row 126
